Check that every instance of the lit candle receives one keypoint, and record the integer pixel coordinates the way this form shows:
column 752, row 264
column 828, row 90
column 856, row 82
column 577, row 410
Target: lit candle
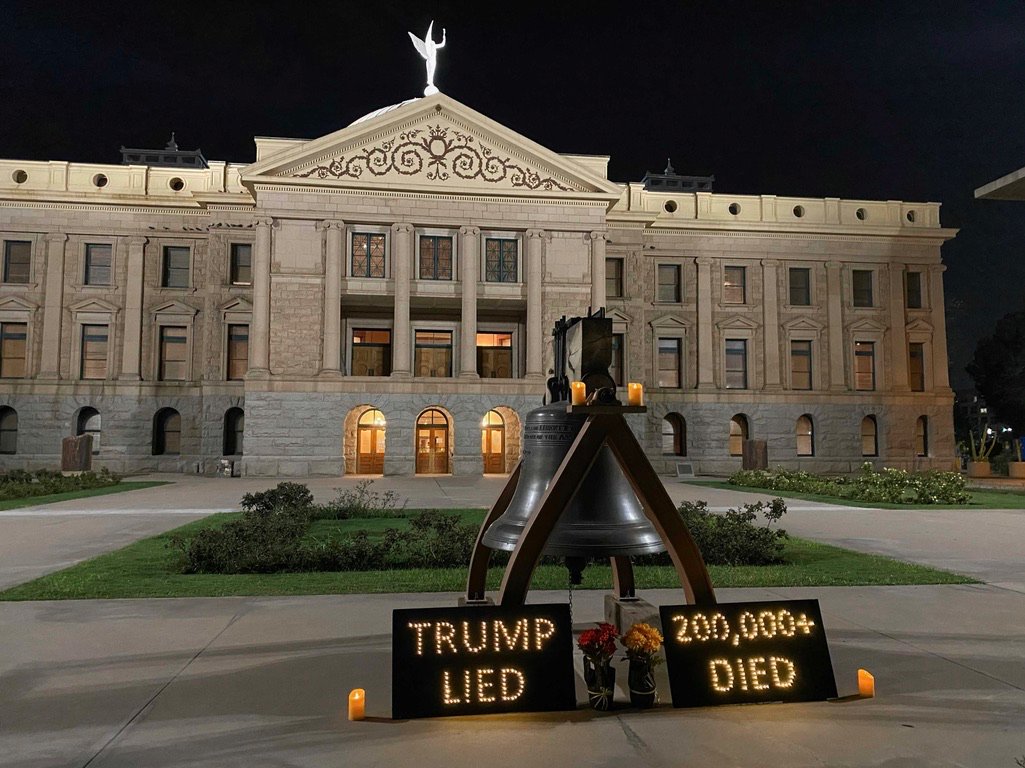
column 357, row 703
column 866, row 684
column 634, row 394
column 578, row 393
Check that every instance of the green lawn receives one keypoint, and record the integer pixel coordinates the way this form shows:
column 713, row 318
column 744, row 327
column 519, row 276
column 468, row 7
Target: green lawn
column 981, row 498
column 31, row 501
column 146, row 569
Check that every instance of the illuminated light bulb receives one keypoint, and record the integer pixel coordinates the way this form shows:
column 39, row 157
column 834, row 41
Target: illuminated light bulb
column 520, row 635
column 541, row 635
column 763, row 628
column 785, row 623
column 483, row 637
column 419, row 628
column 444, row 632
column 777, row 681
column 483, row 685
column 714, row 667
column 507, row 673
column 757, row 674
column 866, row 684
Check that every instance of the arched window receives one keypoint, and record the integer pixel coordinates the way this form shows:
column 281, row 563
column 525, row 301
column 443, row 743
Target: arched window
column 805, row 433
column 869, row 436
column 370, row 442
column 738, row 434
column 922, row 436
column 674, row 435
column 89, row 424
column 234, row 429
column 167, row 432
column 8, row 430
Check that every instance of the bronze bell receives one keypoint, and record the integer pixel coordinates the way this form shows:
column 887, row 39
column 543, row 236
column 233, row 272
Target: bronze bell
column 603, row 519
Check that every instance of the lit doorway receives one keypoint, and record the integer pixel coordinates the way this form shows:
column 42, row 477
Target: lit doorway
column 492, row 443
column 370, row 443
column 432, row 443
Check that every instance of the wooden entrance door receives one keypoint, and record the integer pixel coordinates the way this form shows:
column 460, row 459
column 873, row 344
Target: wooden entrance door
column 492, row 443
column 370, row 443
column 432, row 443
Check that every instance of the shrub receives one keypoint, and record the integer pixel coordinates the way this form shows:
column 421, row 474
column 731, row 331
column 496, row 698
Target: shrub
column 283, row 496
column 361, row 501
column 19, row 484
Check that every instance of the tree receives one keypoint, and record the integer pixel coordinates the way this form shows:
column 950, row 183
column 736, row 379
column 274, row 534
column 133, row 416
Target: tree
column 998, row 369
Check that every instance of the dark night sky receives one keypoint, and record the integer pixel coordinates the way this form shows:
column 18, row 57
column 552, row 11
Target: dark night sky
column 919, row 101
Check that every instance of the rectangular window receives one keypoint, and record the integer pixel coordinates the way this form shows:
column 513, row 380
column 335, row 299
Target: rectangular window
column 913, row 287
column 734, row 286
column 669, row 283
column 864, row 365
column 616, row 368
column 241, row 269
column 500, row 257
column 800, row 287
column 13, row 350
column 173, row 353
column 736, row 363
column 669, row 359
column 94, row 352
column 861, row 280
column 800, row 365
column 432, row 353
column 494, row 355
column 613, row 278
column 916, row 366
column 17, row 261
column 238, row 352
column 176, row 267
column 367, row 255
column 98, row 260
column 435, row 257
column 371, row 352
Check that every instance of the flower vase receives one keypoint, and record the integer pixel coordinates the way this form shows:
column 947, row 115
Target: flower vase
column 641, row 679
column 601, row 684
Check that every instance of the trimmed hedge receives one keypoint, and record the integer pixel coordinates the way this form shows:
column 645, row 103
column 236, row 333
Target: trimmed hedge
column 19, row 484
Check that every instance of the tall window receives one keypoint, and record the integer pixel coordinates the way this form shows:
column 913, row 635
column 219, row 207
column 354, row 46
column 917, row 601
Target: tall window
column 800, row 286
column 8, row 430
column 674, row 435
column 864, row 365
column 916, row 366
column 669, row 363
column 173, row 353
column 241, row 267
column 734, row 286
column 367, row 255
column 98, row 261
column 371, row 352
column 738, row 434
column 17, row 261
column 869, row 436
column 913, row 289
column 238, row 351
column 13, row 350
column 805, row 433
column 176, row 267
column 616, row 367
column 500, row 255
column 234, row 431
column 861, row 281
column 800, row 365
column 736, row 363
column 167, row 432
column 89, row 424
column 922, row 436
column 94, row 352
column 494, row 355
column 669, row 288
column 614, row 278
column 435, row 257
column 432, row 353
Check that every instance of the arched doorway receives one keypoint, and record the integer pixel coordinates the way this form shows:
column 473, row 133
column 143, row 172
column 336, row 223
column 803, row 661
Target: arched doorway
column 88, row 423
column 739, row 432
column 674, row 435
column 370, row 443
column 234, row 432
column 167, row 432
column 432, row 443
column 492, row 443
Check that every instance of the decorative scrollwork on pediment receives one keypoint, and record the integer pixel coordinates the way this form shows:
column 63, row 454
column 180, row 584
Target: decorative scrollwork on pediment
column 438, row 153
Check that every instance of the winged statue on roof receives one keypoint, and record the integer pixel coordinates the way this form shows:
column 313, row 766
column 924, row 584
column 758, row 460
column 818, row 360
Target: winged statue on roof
column 428, row 49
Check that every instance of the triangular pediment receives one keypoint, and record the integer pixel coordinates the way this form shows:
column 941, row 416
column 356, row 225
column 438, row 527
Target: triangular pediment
column 435, row 144
column 17, row 304
column 737, row 322
column 236, row 304
column 918, row 326
column 618, row 316
column 803, row 323
column 175, row 308
column 665, row 322
column 867, row 325
column 93, row 305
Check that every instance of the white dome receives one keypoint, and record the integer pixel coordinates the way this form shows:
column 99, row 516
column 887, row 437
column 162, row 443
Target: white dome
column 382, row 110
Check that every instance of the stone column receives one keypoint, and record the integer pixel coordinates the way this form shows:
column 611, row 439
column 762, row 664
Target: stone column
column 469, row 272
column 598, row 240
column 898, row 334
column 834, row 315
column 706, row 373
column 53, row 307
column 770, row 310
column 259, row 334
column 535, row 333
column 131, row 353
column 402, row 265
column 334, row 256
column 940, row 365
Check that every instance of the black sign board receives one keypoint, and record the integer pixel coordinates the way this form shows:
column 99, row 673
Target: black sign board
column 481, row 660
column 741, row 653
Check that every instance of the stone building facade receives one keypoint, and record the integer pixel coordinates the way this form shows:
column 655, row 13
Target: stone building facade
column 380, row 300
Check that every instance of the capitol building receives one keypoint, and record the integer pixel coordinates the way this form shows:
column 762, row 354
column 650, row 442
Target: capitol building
column 381, row 300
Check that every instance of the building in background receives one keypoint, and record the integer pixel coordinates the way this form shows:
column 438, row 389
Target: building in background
column 381, row 300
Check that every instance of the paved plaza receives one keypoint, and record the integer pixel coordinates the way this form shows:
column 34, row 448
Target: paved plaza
column 262, row 681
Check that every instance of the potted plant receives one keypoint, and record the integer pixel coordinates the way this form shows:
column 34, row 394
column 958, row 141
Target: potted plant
column 978, row 464
column 1016, row 468
column 598, row 646
column 642, row 642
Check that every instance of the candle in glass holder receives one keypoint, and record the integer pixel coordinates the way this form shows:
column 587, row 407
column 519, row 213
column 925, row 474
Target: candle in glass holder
column 866, row 684
column 578, row 393
column 634, row 394
column 357, row 703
